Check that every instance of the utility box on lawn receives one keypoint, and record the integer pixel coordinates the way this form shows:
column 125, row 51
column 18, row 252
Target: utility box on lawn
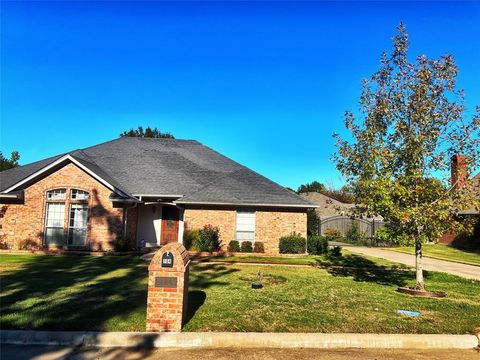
column 168, row 288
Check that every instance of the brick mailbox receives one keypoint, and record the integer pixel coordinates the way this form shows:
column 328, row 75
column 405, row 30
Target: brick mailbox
column 168, row 288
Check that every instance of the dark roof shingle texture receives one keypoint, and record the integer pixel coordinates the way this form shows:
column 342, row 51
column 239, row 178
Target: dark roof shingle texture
column 170, row 167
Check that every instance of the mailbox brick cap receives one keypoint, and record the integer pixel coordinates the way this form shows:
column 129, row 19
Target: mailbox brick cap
column 181, row 258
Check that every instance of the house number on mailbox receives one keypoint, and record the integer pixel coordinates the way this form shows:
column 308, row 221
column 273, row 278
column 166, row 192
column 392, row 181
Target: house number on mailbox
column 167, row 259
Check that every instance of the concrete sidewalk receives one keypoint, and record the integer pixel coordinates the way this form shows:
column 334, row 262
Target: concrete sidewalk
column 463, row 270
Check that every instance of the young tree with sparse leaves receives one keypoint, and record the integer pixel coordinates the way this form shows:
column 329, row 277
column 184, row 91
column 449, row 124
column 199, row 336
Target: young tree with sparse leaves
column 412, row 121
column 148, row 132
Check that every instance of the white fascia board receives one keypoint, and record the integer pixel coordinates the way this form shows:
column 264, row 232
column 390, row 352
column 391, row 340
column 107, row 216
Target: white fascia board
column 247, row 204
column 159, row 195
column 58, row 162
column 8, row 196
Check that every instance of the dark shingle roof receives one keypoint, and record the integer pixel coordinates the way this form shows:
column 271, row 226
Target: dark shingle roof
column 170, row 167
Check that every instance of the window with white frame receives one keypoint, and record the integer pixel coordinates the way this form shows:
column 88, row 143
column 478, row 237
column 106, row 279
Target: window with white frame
column 57, row 194
column 76, row 194
column 246, row 225
column 56, row 204
column 54, row 223
column 77, row 224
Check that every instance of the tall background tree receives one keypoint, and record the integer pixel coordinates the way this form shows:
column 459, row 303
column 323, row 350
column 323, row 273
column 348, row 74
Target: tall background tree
column 6, row 164
column 148, row 132
column 411, row 122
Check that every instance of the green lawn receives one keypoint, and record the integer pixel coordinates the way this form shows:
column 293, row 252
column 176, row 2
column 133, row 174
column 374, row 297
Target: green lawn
column 109, row 293
column 445, row 252
column 348, row 259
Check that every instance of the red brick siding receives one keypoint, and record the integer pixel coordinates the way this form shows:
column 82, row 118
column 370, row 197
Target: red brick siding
column 25, row 222
column 270, row 224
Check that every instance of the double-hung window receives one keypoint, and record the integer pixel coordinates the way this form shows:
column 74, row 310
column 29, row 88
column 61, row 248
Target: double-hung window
column 78, row 218
column 55, row 215
column 246, row 226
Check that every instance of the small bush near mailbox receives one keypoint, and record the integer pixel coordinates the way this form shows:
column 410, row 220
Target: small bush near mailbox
column 258, row 247
column 292, row 244
column 191, row 239
column 317, row 245
column 234, row 246
column 209, row 238
column 246, row 247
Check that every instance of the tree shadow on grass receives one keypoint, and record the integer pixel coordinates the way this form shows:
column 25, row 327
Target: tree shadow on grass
column 74, row 293
column 70, row 292
column 365, row 270
column 207, row 275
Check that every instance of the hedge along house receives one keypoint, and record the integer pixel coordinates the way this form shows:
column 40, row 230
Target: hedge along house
column 149, row 191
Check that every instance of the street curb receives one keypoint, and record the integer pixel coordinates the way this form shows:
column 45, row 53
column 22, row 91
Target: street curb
column 237, row 340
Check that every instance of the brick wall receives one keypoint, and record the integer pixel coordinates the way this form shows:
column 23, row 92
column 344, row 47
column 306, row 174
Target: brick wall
column 270, row 224
column 25, row 222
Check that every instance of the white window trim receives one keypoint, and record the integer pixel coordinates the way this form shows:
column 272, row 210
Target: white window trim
column 254, row 226
column 47, row 203
column 73, row 227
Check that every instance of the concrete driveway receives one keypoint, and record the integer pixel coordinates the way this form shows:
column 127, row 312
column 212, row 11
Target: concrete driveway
column 463, row 270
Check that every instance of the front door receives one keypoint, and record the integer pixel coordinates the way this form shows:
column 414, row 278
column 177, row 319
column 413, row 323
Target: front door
column 170, row 216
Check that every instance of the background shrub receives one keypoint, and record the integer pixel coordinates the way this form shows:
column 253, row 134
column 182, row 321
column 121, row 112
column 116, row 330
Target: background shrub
column 191, row 239
column 386, row 236
column 312, row 222
column 246, row 247
column 317, row 245
column 28, row 244
column 234, row 246
column 292, row 244
column 209, row 239
column 258, row 247
column 353, row 234
column 332, row 234
column 123, row 244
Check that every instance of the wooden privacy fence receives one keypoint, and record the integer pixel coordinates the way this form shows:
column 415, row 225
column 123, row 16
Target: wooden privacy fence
column 368, row 227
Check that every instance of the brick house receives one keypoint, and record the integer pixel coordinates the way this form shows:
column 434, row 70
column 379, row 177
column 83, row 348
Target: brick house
column 459, row 179
column 149, row 191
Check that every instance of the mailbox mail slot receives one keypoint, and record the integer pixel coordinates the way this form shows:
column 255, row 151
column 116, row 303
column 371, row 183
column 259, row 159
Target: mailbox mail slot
column 167, row 259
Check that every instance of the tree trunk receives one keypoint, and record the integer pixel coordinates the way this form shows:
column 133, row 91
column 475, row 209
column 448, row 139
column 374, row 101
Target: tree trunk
column 420, row 285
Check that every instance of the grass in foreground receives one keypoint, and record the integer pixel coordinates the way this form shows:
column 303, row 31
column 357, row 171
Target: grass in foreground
column 109, row 293
column 445, row 252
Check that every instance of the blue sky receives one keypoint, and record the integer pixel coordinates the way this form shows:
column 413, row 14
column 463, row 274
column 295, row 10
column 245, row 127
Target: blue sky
column 264, row 83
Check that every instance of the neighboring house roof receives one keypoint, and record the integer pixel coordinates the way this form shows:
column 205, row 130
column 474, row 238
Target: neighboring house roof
column 327, row 206
column 184, row 169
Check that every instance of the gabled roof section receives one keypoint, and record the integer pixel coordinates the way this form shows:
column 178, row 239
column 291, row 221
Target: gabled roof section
column 56, row 163
column 12, row 176
column 167, row 167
